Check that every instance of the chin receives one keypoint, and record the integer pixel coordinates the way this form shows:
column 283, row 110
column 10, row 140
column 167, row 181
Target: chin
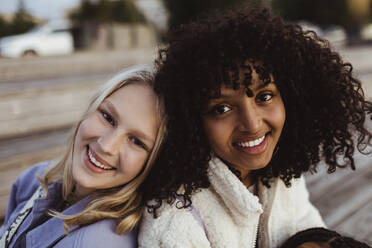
column 256, row 165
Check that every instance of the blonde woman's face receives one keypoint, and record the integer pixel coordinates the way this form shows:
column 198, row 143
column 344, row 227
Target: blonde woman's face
column 113, row 143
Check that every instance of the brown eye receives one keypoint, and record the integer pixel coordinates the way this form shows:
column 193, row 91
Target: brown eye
column 265, row 97
column 220, row 109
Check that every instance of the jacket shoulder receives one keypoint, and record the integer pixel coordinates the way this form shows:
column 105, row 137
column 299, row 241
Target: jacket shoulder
column 303, row 211
column 99, row 234
column 173, row 227
column 27, row 182
column 22, row 189
column 29, row 176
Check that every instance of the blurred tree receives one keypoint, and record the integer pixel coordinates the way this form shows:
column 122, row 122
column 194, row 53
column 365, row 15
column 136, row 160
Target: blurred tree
column 20, row 23
column 4, row 27
column 86, row 11
column 93, row 14
column 349, row 14
column 123, row 11
column 320, row 12
column 184, row 11
column 126, row 11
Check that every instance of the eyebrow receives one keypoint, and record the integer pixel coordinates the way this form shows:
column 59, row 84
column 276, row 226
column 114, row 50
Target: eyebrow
column 137, row 132
column 111, row 107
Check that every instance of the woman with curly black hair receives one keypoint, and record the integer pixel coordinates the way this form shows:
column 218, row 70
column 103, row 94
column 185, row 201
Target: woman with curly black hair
column 253, row 103
column 321, row 238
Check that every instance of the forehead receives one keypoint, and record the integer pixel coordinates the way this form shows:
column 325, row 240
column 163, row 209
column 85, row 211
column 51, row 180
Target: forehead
column 248, row 78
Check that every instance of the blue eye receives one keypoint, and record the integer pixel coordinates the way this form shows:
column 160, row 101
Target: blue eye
column 108, row 118
column 220, row 109
column 138, row 142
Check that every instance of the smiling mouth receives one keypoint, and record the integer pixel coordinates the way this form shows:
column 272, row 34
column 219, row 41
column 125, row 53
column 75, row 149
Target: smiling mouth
column 251, row 143
column 96, row 163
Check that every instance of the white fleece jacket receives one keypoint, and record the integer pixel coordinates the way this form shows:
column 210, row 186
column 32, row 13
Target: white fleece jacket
column 231, row 215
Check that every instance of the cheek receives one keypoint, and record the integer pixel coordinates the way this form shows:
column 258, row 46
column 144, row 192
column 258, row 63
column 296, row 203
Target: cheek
column 83, row 130
column 80, row 139
column 132, row 161
column 89, row 128
column 282, row 116
column 277, row 116
column 217, row 132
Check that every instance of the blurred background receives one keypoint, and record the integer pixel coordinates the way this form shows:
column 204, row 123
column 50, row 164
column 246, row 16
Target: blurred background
column 54, row 55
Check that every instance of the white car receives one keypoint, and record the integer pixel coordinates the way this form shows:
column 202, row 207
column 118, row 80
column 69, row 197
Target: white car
column 52, row 38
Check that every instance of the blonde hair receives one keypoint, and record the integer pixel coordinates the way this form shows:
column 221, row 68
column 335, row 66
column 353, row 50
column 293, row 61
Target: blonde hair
column 122, row 203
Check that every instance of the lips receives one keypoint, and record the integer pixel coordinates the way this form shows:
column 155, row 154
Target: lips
column 251, row 143
column 96, row 161
column 252, row 146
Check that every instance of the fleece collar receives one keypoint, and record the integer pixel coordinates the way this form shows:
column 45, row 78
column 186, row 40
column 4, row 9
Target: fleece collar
column 232, row 191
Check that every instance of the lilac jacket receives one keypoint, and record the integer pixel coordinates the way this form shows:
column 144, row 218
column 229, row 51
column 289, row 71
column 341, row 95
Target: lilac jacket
column 50, row 233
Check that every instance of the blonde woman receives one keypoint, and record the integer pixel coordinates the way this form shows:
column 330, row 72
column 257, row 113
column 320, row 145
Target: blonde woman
column 91, row 197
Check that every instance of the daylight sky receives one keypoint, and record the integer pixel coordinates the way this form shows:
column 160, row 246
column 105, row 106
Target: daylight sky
column 54, row 9
column 47, row 9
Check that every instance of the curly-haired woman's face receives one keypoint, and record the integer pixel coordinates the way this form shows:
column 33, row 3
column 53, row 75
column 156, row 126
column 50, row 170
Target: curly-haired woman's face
column 314, row 245
column 243, row 131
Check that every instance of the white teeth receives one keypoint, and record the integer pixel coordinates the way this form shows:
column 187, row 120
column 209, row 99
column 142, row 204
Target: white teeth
column 96, row 163
column 252, row 143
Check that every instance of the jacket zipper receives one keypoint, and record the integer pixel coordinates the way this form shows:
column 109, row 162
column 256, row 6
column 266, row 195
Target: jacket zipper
column 256, row 231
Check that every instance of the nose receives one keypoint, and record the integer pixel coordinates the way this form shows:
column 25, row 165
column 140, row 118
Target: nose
column 250, row 118
column 110, row 142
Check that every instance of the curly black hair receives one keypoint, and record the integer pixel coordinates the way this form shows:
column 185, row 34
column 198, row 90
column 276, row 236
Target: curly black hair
column 325, row 104
column 325, row 236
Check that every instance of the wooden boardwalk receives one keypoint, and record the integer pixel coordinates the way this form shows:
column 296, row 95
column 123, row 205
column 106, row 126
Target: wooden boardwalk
column 344, row 198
